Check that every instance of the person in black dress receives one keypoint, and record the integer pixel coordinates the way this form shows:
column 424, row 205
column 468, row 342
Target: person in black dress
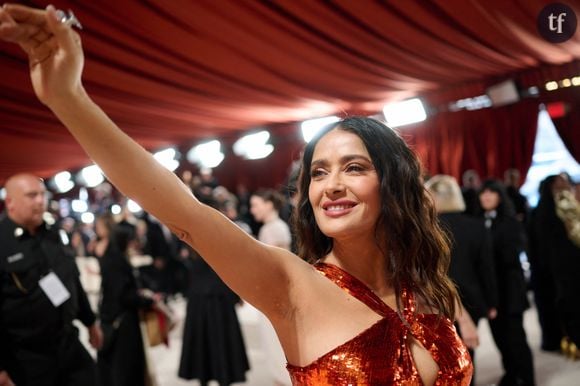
column 507, row 328
column 555, row 264
column 213, row 345
column 121, row 360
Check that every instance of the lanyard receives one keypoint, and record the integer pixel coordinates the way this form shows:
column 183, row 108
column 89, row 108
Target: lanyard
column 18, row 283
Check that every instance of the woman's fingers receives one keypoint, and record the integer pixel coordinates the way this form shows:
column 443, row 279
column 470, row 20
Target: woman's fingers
column 24, row 14
column 39, row 32
column 31, row 27
column 41, row 35
column 9, row 30
column 42, row 52
column 66, row 38
column 28, row 35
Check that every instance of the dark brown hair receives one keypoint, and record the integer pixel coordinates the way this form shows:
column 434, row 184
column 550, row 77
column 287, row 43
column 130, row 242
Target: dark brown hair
column 272, row 196
column 418, row 251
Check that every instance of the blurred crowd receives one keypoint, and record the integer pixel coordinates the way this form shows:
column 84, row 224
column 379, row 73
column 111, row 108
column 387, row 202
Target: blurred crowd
column 501, row 252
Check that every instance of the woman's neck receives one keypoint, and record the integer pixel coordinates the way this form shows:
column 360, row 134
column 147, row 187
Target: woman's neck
column 365, row 261
column 271, row 217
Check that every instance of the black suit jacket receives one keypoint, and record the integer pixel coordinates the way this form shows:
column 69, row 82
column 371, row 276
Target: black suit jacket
column 471, row 267
column 27, row 317
column 508, row 237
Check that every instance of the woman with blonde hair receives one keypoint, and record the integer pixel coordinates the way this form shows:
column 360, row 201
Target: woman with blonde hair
column 471, row 266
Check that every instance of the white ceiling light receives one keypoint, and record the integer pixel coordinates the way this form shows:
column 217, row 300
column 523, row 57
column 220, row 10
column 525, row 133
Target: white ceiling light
column 63, row 182
column 206, row 155
column 254, row 146
column 133, row 206
column 116, row 209
column 48, row 218
column 83, row 194
column 167, row 158
column 79, row 206
column 91, row 176
column 313, row 126
column 405, row 112
column 88, row 218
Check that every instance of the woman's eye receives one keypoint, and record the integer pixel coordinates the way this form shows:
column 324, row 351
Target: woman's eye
column 316, row 173
column 354, row 168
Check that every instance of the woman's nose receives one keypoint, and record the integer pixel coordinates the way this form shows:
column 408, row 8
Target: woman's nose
column 334, row 184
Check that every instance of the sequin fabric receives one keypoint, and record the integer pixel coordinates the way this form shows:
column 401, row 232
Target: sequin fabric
column 380, row 355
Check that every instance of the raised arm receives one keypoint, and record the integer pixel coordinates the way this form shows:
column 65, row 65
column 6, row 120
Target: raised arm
column 260, row 274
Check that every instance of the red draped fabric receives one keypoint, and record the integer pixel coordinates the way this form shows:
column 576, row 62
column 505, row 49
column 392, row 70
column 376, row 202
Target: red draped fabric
column 180, row 72
column 488, row 141
column 568, row 128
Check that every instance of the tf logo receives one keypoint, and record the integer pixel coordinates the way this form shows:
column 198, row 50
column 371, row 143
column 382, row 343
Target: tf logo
column 557, row 22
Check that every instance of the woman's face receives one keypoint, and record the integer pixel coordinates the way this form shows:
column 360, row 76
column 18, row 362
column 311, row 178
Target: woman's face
column 260, row 208
column 344, row 186
column 489, row 199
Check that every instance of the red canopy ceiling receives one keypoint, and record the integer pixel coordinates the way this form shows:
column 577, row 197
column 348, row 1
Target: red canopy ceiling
column 175, row 72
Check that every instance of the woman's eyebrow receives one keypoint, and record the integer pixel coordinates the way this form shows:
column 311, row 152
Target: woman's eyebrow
column 343, row 159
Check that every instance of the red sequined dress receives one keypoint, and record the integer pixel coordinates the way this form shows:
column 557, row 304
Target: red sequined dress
column 380, row 355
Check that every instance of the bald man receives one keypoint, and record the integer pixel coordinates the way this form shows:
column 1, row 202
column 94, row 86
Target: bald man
column 40, row 296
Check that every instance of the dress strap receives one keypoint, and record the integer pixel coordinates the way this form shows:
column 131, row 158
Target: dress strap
column 354, row 287
column 409, row 305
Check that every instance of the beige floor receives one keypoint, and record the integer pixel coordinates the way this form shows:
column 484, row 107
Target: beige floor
column 551, row 369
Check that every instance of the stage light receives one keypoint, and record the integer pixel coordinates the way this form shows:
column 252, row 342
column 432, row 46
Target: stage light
column 167, row 158
column 63, row 182
column 116, row 209
column 253, row 146
column 551, row 86
column 88, row 218
column 79, row 206
column 313, row 126
column 206, row 155
column 404, row 113
column 133, row 206
column 91, row 176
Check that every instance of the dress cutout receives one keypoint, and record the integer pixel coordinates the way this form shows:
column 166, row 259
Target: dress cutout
column 380, row 355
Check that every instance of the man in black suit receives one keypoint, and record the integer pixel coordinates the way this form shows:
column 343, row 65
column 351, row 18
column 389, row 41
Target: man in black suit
column 40, row 296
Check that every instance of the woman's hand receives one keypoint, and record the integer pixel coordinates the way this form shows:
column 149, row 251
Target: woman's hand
column 54, row 50
column 467, row 327
column 469, row 332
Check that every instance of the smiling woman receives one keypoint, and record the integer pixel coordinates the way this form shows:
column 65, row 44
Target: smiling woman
column 377, row 308
column 365, row 220
column 344, row 190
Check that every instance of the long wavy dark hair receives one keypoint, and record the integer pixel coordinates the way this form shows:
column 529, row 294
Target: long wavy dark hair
column 418, row 252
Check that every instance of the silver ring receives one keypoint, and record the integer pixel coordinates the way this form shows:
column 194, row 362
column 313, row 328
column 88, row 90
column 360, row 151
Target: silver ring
column 68, row 19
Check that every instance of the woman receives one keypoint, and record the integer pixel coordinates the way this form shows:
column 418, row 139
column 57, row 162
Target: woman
column 508, row 242
column 121, row 360
column 104, row 225
column 265, row 205
column 555, row 264
column 377, row 307
column 471, row 267
column 213, row 346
